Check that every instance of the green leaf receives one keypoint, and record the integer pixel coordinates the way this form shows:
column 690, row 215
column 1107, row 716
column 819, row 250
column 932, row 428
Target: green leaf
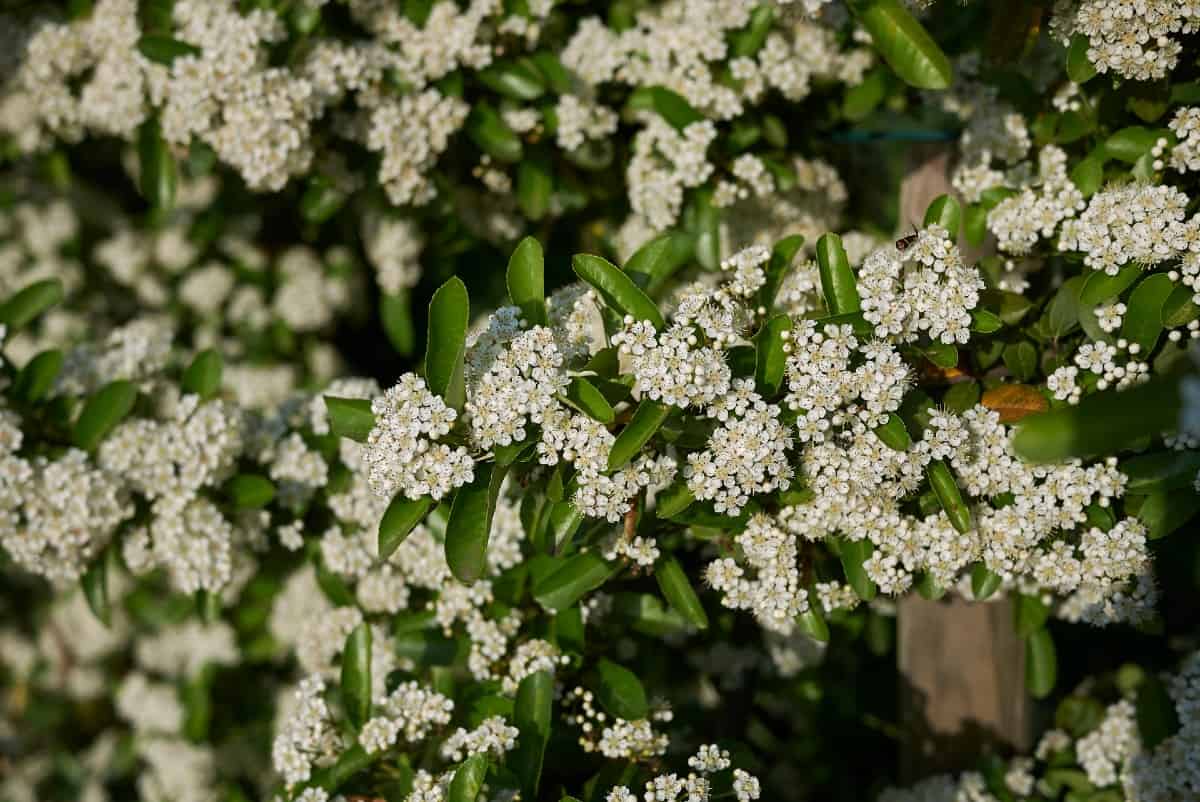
column 975, row 228
column 679, row 593
column 1165, row 470
column 356, row 675
column 863, row 98
column 1164, row 511
column 321, row 200
column 853, row 554
column 203, row 376
column 164, row 50
column 526, row 280
column 20, row 310
column 771, row 358
column 1062, row 313
column 620, row 692
column 1130, row 144
column 584, row 396
column 535, row 185
column 1179, row 309
column 556, row 75
column 944, row 355
column 159, row 173
column 95, row 585
column 249, row 491
column 749, row 40
column 894, row 433
column 1088, row 175
column 579, row 574
column 984, row 582
column 1079, row 68
column 1100, row 287
column 1029, row 614
column 400, row 518
column 655, row 262
column 904, row 44
column 929, row 587
column 707, row 227
column 470, row 523
column 985, row 322
column 673, row 108
column 351, row 762
column 446, row 343
column 945, row 212
column 838, row 284
column 674, row 499
column 812, row 623
column 616, row 288
column 208, row 605
column 782, row 257
column 491, row 134
column 102, row 412
column 395, row 313
column 1021, row 359
column 468, row 779
column 565, row 520
column 1041, row 664
column 1157, row 718
column 941, row 480
column 35, row 381
column 961, row 396
column 646, row 420
column 1143, row 320
column 532, row 717
column 519, row 80
column 350, row 417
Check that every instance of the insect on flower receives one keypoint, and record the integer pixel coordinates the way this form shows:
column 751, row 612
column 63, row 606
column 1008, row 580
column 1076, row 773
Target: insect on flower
column 906, row 242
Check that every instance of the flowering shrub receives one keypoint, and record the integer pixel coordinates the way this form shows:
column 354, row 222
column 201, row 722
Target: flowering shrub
column 324, row 473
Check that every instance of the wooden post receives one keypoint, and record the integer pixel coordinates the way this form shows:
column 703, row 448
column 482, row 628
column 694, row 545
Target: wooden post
column 962, row 666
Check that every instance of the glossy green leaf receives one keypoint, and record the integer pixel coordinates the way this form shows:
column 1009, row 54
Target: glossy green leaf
column 1179, row 309
column 1143, row 320
column 962, row 396
column 35, row 381
column 94, row 583
column 944, row 211
column 350, row 417
column 102, row 412
column 985, row 322
column 535, row 185
column 929, row 588
column 771, row 358
column 552, row 70
column 519, row 80
column 1041, row 664
column 1157, row 717
column 812, row 623
column 944, row 355
column 616, row 288
column 356, row 675
column 249, row 491
column 678, row 591
column 400, row 518
column 1079, row 68
column 678, row 113
column 584, row 396
column 446, row 343
column 470, row 523
column 864, row 97
column 1088, row 175
column 526, row 280
column 579, row 574
column 159, row 173
column 1008, row 306
column 468, row 779
column 164, row 49
column 904, row 44
column 203, row 375
column 749, row 40
column 782, row 257
column 838, row 283
column 674, row 499
column 1130, row 144
column 1164, row 511
column 975, row 228
column 491, row 134
column 620, row 692
column 1029, row 614
column 21, row 309
column 395, row 313
column 984, row 582
column 1021, row 359
column 1165, row 470
column 565, row 520
column 646, row 420
column 707, row 228
column 853, row 554
column 321, row 199
column 655, row 262
column 1100, row 287
column 894, row 433
column 941, row 480
column 532, row 715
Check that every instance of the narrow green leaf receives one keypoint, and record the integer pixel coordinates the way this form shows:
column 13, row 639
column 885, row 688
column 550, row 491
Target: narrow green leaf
column 653, row 264
column 208, row 605
column 1100, row 287
column 782, row 257
column 249, row 491
column 904, row 44
column 1079, row 68
column 519, row 80
column 771, row 358
column 159, row 173
column 356, row 675
column 321, row 200
column 1029, row 614
column 532, row 716
column 395, row 313
column 674, row 499
column 1157, row 718
column 400, row 518
column 20, row 310
column 620, row 692
column 678, row 113
column 1179, row 309
column 584, row 396
column 749, row 40
column 707, row 227
column 1165, row 470
column 535, row 185
column 984, row 582
column 1062, row 313
column 1164, row 511
column 565, row 520
column 975, row 228
column 864, row 97
column 929, row 587
column 526, row 280
column 838, row 284
column 350, row 417
column 203, row 376
column 646, row 420
column 945, row 212
column 616, row 288
column 491, row 134
column 446, row 344
column 941, row 480
column 95, row 586
column 102, row 412
column 812, row 622
column 164, row 50
column 894, row 433
column 1088, row 175
column 470, row 523
column 1041, row 664
column 962, row 396
column 468, row 779
column 853, row 554
column 1143, row 320
column 578, row 575
column 1131, row 143
column 679, row 593
column 34, row 382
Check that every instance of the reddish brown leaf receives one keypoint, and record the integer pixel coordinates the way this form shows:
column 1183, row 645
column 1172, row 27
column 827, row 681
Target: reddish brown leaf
column 1014, row 401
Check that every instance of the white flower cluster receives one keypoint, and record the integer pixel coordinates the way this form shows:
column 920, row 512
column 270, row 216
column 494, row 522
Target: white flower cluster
column 1038, row 208
column 924, row 289
column 775, row 594
column 518, row 389
column 402, row 454
column 1136, row 40
column 409, row 712
column 1185, row 156
column 1136, row 223
column 672, row 367
column 308, row 736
